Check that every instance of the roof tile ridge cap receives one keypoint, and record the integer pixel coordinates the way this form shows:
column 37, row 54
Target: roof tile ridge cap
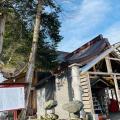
column 100, row 37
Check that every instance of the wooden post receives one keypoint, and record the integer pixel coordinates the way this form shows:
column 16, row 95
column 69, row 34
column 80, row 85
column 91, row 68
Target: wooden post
column 108, row 65
column 92, row 107
column 117, row 89
column 2, row 29
column 35, row 91
column 15, row 114
column 94, row 69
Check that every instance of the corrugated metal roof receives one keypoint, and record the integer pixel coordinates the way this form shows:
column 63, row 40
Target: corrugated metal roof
column 83, row 54
column 91, row 52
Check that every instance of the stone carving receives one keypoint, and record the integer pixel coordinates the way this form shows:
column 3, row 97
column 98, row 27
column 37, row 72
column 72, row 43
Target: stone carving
column 74, row 108
column 49, row 105
column 51, row 116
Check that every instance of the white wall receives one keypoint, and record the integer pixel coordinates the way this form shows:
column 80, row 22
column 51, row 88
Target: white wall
column 63, row 94
column 41, row 101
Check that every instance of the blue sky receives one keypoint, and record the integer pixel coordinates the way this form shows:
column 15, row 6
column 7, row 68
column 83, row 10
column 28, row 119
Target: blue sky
column 83, row 20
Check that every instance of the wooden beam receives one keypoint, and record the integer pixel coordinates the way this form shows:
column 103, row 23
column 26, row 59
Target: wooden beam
column 108, row 64
column 85, row 94
column 92, row 107
column 85, row 87
column 94, row 69
column 96, row 60
column 83, row 79
column 86, row 90
column 87, row 106
column 86, row 98
column 84, row 83
column 103, row 73
column 35, row 91
column 118, row 50
column 2, row 29
column 86, row 102
column 118, row 78
column 35, row 99
column 103, row 77
column 113, row 58
column 116, row 88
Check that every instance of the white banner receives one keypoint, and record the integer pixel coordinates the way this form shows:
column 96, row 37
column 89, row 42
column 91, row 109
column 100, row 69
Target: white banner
column 12, row 98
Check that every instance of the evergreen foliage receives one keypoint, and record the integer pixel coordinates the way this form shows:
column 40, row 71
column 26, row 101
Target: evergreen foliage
column 19, row 33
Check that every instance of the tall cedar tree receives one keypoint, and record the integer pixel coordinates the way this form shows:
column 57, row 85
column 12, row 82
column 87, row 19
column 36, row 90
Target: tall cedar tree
column 46, row 39
column 19, row 32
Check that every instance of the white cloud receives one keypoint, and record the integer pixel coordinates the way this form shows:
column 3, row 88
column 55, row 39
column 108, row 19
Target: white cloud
column 113, row 33
column 86, row 17
column 66, row 1
column 70, row 45
column 89, row 14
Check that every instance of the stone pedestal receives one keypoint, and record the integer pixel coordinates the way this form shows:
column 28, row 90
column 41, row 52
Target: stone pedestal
column 50, row 111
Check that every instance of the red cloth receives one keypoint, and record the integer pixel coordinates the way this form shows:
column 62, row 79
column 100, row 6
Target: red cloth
column 113, row 107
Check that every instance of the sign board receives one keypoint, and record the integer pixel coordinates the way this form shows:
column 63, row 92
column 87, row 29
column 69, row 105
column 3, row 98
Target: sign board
column 12, row 98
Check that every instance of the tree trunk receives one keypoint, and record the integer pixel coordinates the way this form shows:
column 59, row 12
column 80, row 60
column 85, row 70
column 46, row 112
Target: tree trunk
column 31, row 64
column 2, row 29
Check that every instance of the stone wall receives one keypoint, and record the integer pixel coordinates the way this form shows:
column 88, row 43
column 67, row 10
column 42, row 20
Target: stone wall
column 63, row 93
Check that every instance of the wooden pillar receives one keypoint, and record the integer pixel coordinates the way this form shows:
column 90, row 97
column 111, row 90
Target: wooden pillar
column 94, row 69
column 108, row 64
column 35, row 91
column 92, row 107
column 2, row 29
column 117, row 89
column 34, row 99
column 15, row 114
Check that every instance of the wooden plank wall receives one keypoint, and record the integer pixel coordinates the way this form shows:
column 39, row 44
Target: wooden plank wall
column 87, row 95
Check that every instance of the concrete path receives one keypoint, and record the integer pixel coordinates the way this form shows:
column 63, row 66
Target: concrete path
column 115, row 116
